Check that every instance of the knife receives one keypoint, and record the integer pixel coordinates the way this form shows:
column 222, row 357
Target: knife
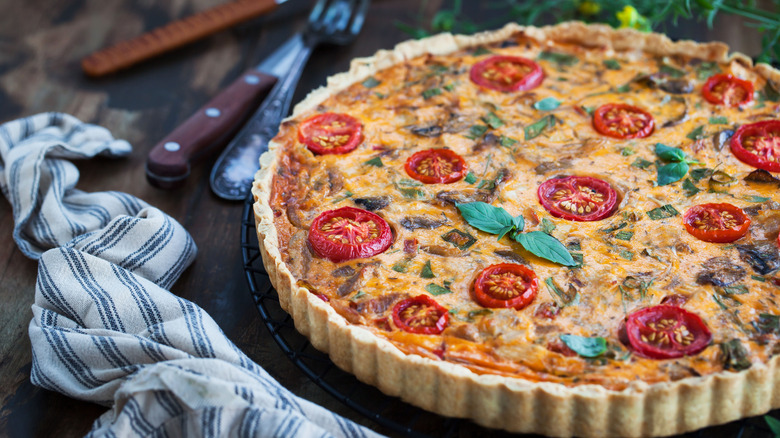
column 169, row 162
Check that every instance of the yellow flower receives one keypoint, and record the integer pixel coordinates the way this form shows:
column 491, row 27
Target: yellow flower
column 588, row 8
column 629, row 17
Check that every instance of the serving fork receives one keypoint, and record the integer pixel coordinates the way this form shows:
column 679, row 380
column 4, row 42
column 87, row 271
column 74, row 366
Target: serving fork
column 330, row 22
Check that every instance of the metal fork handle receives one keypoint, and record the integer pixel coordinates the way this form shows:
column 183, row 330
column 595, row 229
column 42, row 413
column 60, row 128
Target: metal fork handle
column 253, row 139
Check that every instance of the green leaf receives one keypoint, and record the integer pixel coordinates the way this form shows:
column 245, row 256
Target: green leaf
column 410, row 193
column 668, row 153
column 376, row 162
column 486, row 217
column 689, row 188
column 662, row 212
column 359, row 294
column 754, row 198
column 624, row 235
column 588, row 109
column 470, row 178
column 672, row 172
column 611, row 64
column 707, row 69
column 567, row 298
column 700, row 173
column 371, row 82
column 767, row 323
column 476, row 132
column 719, row 120
column 401, row 266
column 427, row 271
column 406, row 182
column 697, row 133
column 475, row 313
column 625, row 88
column 773, row 423
column 547, row 226
column 535, row 129
column 481, row 50
column 770, row 93
column 627, row 151
column 585, row 347
column 641, row 163
column 671, row 71
column 347, row 194
column 427, row 94
column 505, row 230
column 735, row 356
column 507, row 141
column 545, row 246
column 738, row 289
column 519, row 223
column 626, row 254
column 435, row 289
column 547, row 104
column 561, row 59
column 492, row 119
column 758, row 278
column 579, row 259
column 459, row 239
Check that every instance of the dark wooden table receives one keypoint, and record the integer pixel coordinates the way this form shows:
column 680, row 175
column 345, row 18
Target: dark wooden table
column 41, row 44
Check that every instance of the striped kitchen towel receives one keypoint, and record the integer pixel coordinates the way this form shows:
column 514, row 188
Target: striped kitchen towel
column 104, row 327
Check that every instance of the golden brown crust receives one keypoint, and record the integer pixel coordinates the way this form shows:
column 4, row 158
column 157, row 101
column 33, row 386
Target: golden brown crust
column 514, row 404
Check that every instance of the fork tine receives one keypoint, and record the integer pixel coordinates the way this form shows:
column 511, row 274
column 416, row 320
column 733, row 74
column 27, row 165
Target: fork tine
column 359, row 17
column 316, row 13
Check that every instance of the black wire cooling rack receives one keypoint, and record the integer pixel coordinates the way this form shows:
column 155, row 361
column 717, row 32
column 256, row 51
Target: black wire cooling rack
column 389, row 412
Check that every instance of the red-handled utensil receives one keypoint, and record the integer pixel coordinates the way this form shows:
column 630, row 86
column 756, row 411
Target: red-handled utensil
column 206, row 131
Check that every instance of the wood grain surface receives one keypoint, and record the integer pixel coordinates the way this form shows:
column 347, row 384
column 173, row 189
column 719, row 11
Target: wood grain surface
column 41, row 45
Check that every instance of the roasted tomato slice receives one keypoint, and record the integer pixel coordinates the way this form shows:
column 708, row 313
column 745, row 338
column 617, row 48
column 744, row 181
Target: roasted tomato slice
column 331, row 133
column 433, row 166
column 578, row 198
column 758, row 144
column 717, row 223
column 349, row 233
column 420, row 314
column 619, row 120
column 507, row 73
column 666, row 332
column 725, row 89
column 505, row 285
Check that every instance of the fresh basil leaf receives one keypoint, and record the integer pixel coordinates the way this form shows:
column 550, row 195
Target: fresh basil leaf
column 519, row 222
column 641, row 163
column 470, row 178
column 671, row 71
column 562, row 59
column 426, row 271
column 624, row 235
column 700, row 173
column 371, row 82
column 481, row 50
column 547, row 104
column 774, row 424
column 493, row 120
column 690, row 188
column 435, row 289
column 427, row 94
column 476, row 132
column 611, row 64
column 507, row 141
column 459, row 239
column 486, row 217
column 585, row 347
column 720, row 120
column 376, row 162
column 535, row 129
column 672, row 172
column 707, row 69
column 504, row 230
column 662, row 212
column 547, row 226
column 545, row 246
column 697, row 133
column 668, row 153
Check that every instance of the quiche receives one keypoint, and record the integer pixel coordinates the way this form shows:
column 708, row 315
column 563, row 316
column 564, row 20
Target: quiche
column 565, row 230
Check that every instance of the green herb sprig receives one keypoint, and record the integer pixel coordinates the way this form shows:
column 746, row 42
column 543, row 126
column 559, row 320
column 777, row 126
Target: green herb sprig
column 677, row 164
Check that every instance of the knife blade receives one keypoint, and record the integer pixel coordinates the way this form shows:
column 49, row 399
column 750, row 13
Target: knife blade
column 169, row 162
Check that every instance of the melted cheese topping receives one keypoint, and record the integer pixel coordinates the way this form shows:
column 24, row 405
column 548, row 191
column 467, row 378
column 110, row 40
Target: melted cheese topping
column 629, row 260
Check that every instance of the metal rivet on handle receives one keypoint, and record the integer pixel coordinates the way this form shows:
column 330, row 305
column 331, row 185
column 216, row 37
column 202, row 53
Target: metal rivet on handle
column 213, row 112
column 172, row 146
column 251, row 79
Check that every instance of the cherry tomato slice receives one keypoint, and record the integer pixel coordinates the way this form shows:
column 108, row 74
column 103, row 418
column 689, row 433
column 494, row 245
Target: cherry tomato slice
column 349, row 233
column 666, row 332
column 505, row 285
column 716, row 223
column 507, row 73
column 725, row 89
column 578, row 198
column 420, row 314
column 619, row 120
column 758, row 144
column 331, row 133
column 434, row 166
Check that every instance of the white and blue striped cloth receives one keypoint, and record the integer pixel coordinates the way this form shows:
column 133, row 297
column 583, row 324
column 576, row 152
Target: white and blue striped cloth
column 105, row 329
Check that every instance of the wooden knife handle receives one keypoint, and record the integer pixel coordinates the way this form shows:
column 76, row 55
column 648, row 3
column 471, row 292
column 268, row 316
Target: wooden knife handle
column 205, row 131
column 173, row 35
